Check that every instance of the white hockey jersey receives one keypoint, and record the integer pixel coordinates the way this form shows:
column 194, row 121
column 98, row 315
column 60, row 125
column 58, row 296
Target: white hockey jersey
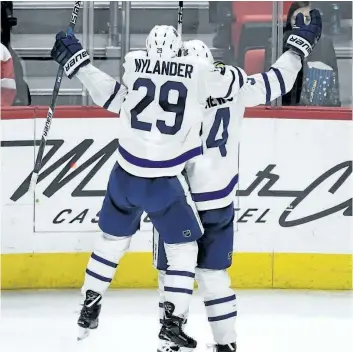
column 162, row 114
column 161, row 107
column 214, row 175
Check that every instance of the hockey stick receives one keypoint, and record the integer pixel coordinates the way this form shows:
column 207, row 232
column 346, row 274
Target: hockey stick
column 180, row 17
column 51, row 109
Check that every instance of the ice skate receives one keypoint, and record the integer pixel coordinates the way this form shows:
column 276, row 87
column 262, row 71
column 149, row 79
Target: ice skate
column 89, row 314
column 231, row 347
column 172, row 337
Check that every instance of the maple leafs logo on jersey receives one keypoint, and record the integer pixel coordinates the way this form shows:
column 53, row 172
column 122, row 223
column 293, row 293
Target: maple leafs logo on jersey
column 159, row 50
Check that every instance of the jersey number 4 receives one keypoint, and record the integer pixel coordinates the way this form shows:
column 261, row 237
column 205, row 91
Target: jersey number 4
column 222, row 117
column 177, row 108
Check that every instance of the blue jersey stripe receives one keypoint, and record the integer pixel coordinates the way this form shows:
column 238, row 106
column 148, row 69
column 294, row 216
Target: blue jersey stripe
column 280, row 80
column 241, row 78
column 231, row 85
column 267, row 86
column 111, row 98
column 159, row 164
column 222, row 193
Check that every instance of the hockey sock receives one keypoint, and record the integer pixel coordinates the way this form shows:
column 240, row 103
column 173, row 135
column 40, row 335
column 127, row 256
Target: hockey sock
column 103, row 262
column 180, row 276
column 161, row 276
column 220, row 304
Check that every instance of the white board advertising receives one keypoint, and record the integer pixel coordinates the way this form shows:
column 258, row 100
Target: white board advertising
column 294, row 192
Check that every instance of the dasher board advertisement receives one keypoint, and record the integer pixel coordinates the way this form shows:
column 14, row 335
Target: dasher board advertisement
column 294, row 193
column 294, row 180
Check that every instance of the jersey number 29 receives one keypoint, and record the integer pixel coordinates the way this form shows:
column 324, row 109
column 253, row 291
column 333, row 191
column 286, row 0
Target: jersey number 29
column 177, row 108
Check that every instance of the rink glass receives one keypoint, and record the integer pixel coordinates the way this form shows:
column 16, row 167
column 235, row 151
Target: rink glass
column 237, row 32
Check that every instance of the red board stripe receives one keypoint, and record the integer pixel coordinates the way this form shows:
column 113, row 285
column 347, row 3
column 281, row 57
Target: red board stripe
column 61, row 112
column 299, row 113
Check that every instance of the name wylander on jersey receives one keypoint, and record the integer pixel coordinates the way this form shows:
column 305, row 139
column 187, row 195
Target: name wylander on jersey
column 164, row 68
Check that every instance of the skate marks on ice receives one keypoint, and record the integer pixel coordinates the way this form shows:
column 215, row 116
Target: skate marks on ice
column 269, row 321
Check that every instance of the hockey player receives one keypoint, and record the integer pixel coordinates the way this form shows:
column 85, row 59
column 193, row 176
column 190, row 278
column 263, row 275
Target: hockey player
column 161, row 109
column 213, row 178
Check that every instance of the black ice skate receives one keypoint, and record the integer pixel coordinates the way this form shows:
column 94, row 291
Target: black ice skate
column 232, row 347
column 89, row 314
column 172, row 332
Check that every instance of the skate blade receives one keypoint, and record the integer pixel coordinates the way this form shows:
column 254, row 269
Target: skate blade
column 82, row 334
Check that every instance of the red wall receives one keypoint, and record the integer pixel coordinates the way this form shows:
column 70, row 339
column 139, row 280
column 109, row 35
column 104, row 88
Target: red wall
column 302, row 112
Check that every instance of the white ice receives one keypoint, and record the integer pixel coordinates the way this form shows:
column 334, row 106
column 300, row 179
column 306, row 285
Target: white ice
column 268, row 321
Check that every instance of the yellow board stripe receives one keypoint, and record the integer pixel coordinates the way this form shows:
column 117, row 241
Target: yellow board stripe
column 313, row 271
column 249, row 270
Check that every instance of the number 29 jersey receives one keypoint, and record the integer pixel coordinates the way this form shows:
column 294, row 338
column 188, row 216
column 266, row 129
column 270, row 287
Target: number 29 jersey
column 160, row 119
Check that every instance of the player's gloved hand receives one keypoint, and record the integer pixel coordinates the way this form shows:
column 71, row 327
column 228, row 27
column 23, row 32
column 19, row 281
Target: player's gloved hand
column 304, row 37
column 68, row 52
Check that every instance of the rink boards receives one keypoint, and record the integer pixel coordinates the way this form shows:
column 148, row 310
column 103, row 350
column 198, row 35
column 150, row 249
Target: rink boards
column 293, row 206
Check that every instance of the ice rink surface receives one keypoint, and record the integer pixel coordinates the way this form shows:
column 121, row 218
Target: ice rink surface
column 268, row 321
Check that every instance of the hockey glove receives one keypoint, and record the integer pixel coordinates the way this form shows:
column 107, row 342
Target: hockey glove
column 304, row 37
column 68, row 52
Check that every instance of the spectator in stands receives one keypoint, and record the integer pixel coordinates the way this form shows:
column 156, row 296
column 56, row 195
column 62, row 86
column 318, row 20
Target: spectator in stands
column 7, row 78
column 317, row 82
column 23, row 96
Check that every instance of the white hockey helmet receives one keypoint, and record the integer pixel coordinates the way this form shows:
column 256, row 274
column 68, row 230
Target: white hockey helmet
column 163, row 41
column 198, row 48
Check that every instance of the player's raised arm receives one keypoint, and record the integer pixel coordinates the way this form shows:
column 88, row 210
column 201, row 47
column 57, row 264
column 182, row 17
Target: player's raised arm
column 219, row 80
column 104, row 90
column 224, row 81
column 262, row 88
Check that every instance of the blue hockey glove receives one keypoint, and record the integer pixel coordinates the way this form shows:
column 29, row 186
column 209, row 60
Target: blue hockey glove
column 68, row 52
column 304, row 37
